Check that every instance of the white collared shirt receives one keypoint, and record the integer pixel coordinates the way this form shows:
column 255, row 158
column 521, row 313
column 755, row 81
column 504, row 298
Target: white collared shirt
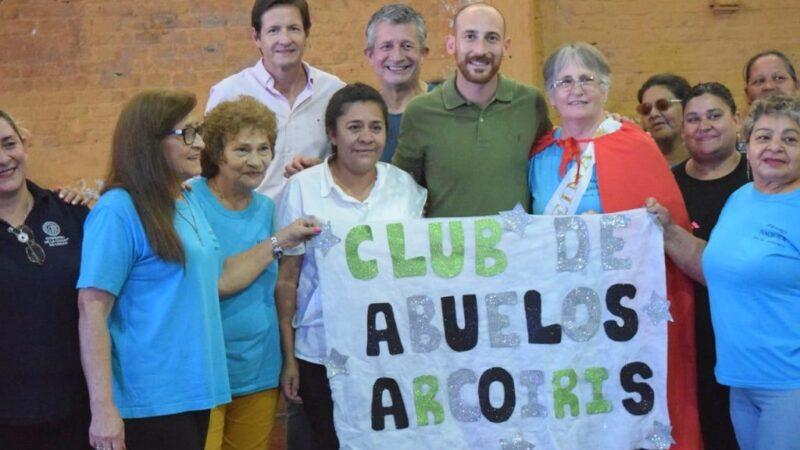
column 301, row 126
column 394, row 196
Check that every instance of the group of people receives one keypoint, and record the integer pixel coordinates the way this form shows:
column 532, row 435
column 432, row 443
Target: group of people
column 175, row 313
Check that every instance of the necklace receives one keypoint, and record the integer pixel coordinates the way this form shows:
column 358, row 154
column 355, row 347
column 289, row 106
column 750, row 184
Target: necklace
column 193, row 222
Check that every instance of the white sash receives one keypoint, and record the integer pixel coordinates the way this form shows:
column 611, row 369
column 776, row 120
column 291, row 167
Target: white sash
column 568, row 195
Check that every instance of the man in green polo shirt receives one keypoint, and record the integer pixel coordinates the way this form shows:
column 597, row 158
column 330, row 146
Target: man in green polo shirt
column 468, row 141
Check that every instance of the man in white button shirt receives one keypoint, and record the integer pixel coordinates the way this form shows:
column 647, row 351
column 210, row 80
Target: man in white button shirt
column 296, row 92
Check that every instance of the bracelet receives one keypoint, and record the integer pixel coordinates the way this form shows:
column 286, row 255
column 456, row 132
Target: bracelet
column 277, row 250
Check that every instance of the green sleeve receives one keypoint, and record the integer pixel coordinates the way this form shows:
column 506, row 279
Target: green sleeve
column 544, row 118
column 410, row 153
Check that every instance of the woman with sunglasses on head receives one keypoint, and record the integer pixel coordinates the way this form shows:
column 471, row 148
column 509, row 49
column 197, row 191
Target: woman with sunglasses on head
column 151, row 336
column 239, row 137
column 751, row 265
column 594, row 163
column 44, row 403
column 350, row 185
column 661, row 113
column 712, row 173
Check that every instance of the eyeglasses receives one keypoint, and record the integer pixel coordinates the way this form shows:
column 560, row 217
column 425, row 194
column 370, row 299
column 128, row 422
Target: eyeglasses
column 33, row 250
column 567, row 84
column 189, row 133
column 661, row 104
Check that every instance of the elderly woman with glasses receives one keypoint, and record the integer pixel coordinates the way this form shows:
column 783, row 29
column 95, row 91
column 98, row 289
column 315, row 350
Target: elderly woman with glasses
column 44, row 403
column 594, row 163
column 661, row 113
column 751, row 265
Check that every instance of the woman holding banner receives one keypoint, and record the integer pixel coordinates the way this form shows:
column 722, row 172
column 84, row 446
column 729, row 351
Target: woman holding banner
column 712, row 173
column 350, row 185
column 751, row 265
column 595, row 163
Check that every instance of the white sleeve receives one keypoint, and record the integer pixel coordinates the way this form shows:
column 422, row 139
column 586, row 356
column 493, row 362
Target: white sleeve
column 289, row 209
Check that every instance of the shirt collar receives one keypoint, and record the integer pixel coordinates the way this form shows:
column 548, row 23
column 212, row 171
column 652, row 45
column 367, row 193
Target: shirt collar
column 328, row 185
column 38, row 193
column 453, row 99
column 267, row 81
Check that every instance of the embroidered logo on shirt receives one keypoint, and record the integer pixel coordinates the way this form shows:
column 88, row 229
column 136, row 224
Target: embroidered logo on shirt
column 54, row 237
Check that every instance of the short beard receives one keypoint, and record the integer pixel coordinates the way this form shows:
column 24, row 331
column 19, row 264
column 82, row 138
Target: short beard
column 486, row 77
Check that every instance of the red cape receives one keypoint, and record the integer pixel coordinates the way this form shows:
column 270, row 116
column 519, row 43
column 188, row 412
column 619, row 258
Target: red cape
column 630, row 168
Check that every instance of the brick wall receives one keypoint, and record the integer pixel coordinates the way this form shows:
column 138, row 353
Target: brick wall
column 67, row 66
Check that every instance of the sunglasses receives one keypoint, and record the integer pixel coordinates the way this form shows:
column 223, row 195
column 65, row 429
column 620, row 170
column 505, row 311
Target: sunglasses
column 189, row 133
column 33, row 250
column 661, row 104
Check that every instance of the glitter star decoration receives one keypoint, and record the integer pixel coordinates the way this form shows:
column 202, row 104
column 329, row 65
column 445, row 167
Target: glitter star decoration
column 518, row 442
column 325, row 240
column 658, row 309
column 336, row 363
column 516, row 220
column 661, row 436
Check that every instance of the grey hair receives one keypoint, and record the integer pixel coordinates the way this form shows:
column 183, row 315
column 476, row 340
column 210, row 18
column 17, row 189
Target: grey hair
column 396, row 14
column 583, row 53
column 772, row 105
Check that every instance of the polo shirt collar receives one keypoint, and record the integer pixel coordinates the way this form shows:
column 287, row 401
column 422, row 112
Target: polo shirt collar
column 266, row 79
column 328, row 185
column 453, row 99
column 38, row 193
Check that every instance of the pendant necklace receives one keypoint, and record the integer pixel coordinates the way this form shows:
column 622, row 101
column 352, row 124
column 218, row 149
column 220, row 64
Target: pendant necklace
column 193, row 222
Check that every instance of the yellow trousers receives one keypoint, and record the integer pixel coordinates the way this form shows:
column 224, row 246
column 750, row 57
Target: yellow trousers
column 243, row 424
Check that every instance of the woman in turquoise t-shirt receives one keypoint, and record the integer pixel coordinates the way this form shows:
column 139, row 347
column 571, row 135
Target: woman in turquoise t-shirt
column 752, row 268
column 239, row 137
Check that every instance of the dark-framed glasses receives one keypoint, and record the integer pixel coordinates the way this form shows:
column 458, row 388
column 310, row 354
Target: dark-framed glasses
column 189, row 133
column 661, row 104
column 567, row 84
column 33, row 250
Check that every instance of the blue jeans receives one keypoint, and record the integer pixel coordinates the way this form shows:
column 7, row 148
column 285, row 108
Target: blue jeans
column 766, row 419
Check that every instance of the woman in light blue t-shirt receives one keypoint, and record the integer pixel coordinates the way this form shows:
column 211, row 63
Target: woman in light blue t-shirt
column 239, row 137
column 752, row 268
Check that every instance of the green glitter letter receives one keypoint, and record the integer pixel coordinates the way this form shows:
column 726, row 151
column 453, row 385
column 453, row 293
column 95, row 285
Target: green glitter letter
column 447, row 266
column 360, row 269
column 563, row 395
column 425, row 389
column 485, row 248
column 403, row 268
column 598, row 405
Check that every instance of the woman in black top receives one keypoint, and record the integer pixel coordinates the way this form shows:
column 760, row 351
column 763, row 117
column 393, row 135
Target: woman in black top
column 714, row 170
column 43, row 395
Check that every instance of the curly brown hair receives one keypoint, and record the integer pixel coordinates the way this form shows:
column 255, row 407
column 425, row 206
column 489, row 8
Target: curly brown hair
column 225, row 121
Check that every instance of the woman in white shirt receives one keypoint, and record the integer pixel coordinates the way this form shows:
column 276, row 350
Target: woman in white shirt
column 351, row 185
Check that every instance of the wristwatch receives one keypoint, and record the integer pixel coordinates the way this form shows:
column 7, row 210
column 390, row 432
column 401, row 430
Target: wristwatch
column 277, row 250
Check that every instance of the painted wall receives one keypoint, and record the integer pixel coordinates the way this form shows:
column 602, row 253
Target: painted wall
column 67, row 66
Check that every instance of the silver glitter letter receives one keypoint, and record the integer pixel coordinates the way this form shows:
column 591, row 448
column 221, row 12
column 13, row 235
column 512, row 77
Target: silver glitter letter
column 611, row 244
column 498, row 321
column 569, row 309
column 532, row 379
column 578, row 261
column 460, row 410
column 424, row 336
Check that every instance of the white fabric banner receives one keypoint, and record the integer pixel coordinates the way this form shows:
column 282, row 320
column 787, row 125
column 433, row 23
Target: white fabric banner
column 497, row 332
